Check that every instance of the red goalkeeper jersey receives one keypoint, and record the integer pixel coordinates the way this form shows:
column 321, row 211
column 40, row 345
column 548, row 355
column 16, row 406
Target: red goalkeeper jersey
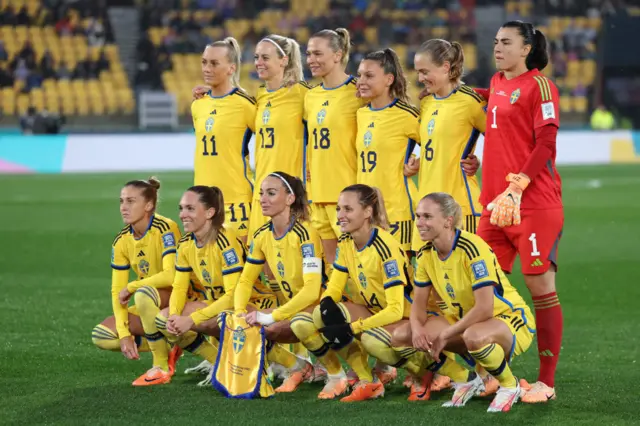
column 516, row 108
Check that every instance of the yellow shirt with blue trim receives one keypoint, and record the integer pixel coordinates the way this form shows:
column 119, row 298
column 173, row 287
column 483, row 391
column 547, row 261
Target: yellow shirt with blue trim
column 151, row 257
column 449, row 130
column 380, row 273
column 470, row 265
column 217, row 267
column 296, row 260
column 223, row 127
column 281, row 135
column 331, row 125
column 386, row 137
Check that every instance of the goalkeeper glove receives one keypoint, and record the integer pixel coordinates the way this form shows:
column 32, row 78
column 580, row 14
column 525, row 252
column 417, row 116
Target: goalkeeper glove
column 331, row 313
column 505, row 208
column 338, row 336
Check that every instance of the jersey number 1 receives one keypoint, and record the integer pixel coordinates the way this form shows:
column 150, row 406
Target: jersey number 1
column 494, row 110
column 534, row 245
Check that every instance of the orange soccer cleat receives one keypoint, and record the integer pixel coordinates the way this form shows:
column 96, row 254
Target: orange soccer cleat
column 295, row 378
column 154, row 376
column 364, row 391
column 421, row 388
column 174, row 356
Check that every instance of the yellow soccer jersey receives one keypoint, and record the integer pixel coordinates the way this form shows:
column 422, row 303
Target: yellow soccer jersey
column 449, row 129
column 386, row 138
column 469, row 266
column 380, row 273
column 331, row 126
column 296, row 262
column 152, row 258
column 223, row 127
column 217, row 267
column 281, row 135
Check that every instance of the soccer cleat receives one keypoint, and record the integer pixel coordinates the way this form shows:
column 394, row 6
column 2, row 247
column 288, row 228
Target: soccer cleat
column 524, row 385
column 421, row 388
column 174, row 356
column 154, row 376
column 364, row 391
column 491, row 385
column 295, row 378
column 319, row 374
column 504, row 399
column 440, row 383
column 408, row 381
column 538, row 393
column 334, row 388
column 206, row 382
column 352, row 377
column 279, row 371
column 386, row 374
column 203, row 368
column 464, row 392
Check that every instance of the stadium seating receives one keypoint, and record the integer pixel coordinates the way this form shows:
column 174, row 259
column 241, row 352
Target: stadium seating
column 108, row 93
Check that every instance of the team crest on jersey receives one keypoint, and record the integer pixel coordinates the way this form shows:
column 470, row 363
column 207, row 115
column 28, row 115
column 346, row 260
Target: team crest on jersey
column 230, row 257
column 450, row 291
column 479, row 269
column 206, row 275
column 281, row 269
column 322, row 114
column 251, row 248
column 168, row 240
column 431, row 125
column 308, row 250
column 363, row 280
column 113, row 254
column 208, row 125
column 266, row 115
column 391, row 269
column 239, row 337
column 368, row 138
column 143, row 266
column 515, row 95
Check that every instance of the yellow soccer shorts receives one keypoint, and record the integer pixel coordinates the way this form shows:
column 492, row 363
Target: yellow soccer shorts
column 236, row 216
column 256, row 220
column 262, row 303
column 469, row 224
column 402, row 230
column 522, row 328
column 324, row 219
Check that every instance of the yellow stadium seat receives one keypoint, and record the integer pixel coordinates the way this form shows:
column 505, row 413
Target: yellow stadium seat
column 573, row 68
column 580, row 104
column 565, row 104
column 22, row 104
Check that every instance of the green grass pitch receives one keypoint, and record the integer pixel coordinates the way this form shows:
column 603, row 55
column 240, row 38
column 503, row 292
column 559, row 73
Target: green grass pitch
column 55, row 278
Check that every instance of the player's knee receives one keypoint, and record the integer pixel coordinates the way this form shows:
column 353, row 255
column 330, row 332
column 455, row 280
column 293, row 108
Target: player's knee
column 105, row 338
column 473, row 339
column 317, row 318
column 302, row 325
column 374, row 343
column 146, row 296
column 401, row 336
column 542, row 284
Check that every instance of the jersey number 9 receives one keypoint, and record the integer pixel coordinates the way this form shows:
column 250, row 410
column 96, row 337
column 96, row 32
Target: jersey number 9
column 324, row 141
column 287, row 288
column 369, row 161
column 267, row 133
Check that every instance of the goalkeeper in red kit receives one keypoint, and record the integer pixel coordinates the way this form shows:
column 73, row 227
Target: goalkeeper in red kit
column 521, row 188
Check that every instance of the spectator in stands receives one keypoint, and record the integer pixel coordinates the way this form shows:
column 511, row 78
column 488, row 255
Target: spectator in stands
column 64, row 26
column 22, row 18
column 27, row 121
column 34, row 80
column 47, row 65
column 602, row 119
column 27, row 53
column 7, row 16
column 6, row 80
column 102, row 62
column 21, row 69
column 4, row 56
column 63, row 72
column 81, row 71
column 95, row 33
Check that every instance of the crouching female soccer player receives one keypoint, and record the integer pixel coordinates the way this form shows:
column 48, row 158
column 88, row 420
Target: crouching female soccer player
column 292, row 249
column 490, row 320
column 148, row 245
column 214, row 257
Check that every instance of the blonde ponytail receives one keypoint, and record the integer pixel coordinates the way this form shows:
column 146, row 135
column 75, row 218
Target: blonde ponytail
column 369, row 196
column 234, row 56
column 293, row 72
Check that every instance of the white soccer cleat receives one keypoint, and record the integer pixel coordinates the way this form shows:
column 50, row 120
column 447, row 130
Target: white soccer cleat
column 279, row 371
column 207, row 382
column 205, row 367
column 504, row 399
column 464, row 392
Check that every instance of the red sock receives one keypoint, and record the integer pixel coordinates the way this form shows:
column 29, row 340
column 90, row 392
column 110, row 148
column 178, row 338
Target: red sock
column 549, row 330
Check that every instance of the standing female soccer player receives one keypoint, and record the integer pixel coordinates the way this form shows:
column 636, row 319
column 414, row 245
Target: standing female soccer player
column 490, row 319
column 330, row 111
column 373, row 259
column 452, row 117
column 387, row 130
column 293, row 250
column 148, row 245
column 525, row 216
column 224, row 119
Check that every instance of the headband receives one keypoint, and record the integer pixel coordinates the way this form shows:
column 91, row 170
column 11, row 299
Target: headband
column 275, row 44
column 283, row 181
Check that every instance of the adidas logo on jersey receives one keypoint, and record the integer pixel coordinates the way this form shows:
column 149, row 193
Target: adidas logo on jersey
column 243, row 226
column 141, row 253
column 268, row 105
column 326, row 103
column 537, row 262
column 213, row 112
column 203, row 263
column 371, row 126
column 446, row 276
